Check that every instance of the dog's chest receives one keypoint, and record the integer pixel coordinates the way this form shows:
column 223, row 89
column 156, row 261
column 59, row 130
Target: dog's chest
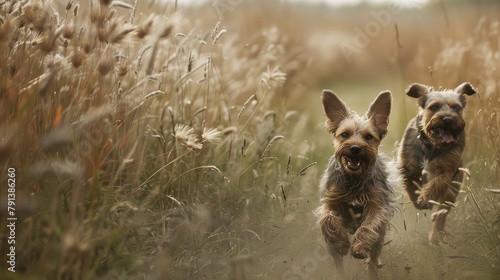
column 352, row 217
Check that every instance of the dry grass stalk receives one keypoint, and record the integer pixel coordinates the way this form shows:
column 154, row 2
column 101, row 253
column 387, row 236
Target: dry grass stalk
column 110, row 150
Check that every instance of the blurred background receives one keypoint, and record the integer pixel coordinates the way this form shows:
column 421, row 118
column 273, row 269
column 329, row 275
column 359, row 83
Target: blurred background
column 184, row 139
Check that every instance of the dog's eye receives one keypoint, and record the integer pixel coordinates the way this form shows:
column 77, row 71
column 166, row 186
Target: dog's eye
column 457, row 108
column 434, row 107
column 369, row 137
column 344, row 135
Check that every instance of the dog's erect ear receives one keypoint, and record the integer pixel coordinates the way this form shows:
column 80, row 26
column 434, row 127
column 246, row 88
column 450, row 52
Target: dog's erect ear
column 379, row 111
column 335, row 110
column 465, row 88
column 417, row 90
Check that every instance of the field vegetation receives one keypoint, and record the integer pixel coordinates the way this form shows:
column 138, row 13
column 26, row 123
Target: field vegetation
column 159, row 140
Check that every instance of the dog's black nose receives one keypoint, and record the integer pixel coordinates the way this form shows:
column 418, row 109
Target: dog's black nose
column 355, row 149
column 447, row 120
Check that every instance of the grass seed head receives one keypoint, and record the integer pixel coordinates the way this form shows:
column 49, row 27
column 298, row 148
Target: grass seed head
column 68, row 31
column 105, row 65
column 77, row 58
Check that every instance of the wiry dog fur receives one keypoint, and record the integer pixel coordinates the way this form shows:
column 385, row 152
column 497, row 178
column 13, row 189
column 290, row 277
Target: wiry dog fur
column 355, row 188
column 430, row 154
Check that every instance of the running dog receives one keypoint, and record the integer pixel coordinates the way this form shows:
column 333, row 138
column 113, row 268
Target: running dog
column 430, row 153
column 356, row 192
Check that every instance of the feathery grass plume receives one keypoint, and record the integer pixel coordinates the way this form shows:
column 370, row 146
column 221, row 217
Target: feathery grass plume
column 122, row 69
column 152, row 94
column 69, row 30
column 272, row 79
column 97, row 15
column 215, row 31
column 229, row 130
column 105, row 65
column 217, row 37
column 166, row 31
column 89, row 42
column 36, row 15
column 121, row 33
column 274, row 139
column 145, row 28
column 211, row 135
column 190, row 63
column 77, row 58
column 183, row 133
column 193, row 143
column 104, row 32
column 250, row 99
column 138, row 61
column 134, row 10
column 69, row 5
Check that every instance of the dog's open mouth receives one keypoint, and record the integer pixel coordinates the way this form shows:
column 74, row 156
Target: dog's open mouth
column 446, row 135
column 352, row 162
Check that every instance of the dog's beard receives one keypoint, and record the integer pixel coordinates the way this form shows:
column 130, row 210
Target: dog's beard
column 355, row 164
column 442, row 134
column 445, row 135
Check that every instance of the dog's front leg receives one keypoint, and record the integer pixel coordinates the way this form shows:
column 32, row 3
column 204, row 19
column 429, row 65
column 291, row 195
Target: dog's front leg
column 336, row 235
column 369, row 236
column 441, row 172
column 443, row 190
column 440, row 188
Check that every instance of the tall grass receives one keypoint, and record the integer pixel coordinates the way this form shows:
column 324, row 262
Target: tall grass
column 156, row 141
column 143, row 144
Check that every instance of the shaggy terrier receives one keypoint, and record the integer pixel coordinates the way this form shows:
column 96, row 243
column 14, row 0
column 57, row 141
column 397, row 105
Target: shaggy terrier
column 430, row 153
column 356, row 190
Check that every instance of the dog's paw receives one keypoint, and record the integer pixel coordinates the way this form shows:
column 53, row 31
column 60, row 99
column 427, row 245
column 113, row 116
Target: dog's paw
column 344, row 249
column 437, row 237
column 423, row 202
column 377, row 263
column 359, row 251
column 338, row 245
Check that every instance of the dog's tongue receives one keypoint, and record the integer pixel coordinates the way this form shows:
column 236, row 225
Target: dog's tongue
column 447, row 136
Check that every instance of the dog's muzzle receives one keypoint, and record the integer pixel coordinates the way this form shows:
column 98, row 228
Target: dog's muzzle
column 447, row 131
column 352, row 161
column 445, row 135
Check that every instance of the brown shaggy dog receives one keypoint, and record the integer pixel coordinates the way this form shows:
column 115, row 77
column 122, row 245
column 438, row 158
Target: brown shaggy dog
column 430, row 154
column 356, row 193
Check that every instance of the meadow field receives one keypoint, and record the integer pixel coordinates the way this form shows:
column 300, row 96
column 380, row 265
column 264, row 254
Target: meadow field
column 161, row 140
